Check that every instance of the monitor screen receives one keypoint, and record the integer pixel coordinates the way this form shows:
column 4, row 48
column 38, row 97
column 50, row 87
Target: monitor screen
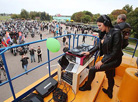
column 63, row 62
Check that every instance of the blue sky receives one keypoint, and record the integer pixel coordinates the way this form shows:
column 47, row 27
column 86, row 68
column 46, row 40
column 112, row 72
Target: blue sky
column 64, row 7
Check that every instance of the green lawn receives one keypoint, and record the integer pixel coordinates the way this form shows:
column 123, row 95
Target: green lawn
column 131, row 49
column 5, row 18
column 132, row 42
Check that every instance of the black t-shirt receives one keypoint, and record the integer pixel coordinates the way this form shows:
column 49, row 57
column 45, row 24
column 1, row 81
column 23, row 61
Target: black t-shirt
column 24, row 60
column 65, row 49
column 38, row 51
column 32, row 52
column 21, row 52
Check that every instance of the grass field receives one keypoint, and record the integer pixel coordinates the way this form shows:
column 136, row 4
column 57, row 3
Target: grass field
column 5, row 18
column 132, row 42
column 131, row 49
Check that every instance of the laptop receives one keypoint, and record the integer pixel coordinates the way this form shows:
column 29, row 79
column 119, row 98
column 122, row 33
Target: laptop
column 68, row 66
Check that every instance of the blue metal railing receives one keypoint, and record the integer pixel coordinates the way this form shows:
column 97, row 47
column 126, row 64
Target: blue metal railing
column 134, row 51
column 3, row 50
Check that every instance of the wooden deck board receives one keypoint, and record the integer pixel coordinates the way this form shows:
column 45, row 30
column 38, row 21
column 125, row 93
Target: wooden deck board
column 102, row 97
column 87, row 96
column 84, row 96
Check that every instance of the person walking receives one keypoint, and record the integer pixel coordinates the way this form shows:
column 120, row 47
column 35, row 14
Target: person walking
column 24, row 60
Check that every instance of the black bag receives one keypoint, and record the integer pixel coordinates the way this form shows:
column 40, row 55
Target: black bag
column 125, row 31
column 33, row 98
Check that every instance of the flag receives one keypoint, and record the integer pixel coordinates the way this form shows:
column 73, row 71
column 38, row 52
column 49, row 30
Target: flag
column 7, row 34
column 4, row 42
column 20, row 37
column 8, row 38
column 20, row 34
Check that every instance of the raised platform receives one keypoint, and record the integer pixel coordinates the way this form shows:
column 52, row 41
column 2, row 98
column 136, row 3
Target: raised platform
column 87, row 96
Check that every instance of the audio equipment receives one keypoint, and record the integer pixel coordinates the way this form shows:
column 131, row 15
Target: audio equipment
column 75, row 54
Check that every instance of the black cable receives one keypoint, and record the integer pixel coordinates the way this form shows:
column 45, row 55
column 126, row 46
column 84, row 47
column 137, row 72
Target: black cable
column 50, row 99
column 59, row 95
column 69, row 90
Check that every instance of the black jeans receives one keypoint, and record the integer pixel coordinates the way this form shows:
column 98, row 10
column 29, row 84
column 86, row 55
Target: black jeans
column 109, row 70
column 39, row 57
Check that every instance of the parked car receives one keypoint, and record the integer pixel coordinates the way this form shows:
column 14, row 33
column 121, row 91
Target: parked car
column 95, row 29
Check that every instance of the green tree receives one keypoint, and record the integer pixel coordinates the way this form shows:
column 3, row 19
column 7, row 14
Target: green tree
column 24, row 14
column 95, row 17
column 48, row 17
column 132, row 19
column 79, row 16
column 14, row 16
column 43, row 16
column 33, row 14
column 73, row 16
column 117, row 12
column 88, row 13
column 86, row 18
column 128, row 8
column 112, row 17
column 38, row 14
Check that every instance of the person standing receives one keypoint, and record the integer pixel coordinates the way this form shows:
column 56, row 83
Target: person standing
column 83, row 38
column 64, row 40
column 2, row 70
column 125, row 29
column 41, row 36
column 66, row 48
column 39, row 54
column 21, row 51
column 24, row 60
column 32, row 54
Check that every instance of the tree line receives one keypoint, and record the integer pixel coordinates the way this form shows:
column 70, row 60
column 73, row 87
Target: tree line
column 32, row 15
column 132, row 17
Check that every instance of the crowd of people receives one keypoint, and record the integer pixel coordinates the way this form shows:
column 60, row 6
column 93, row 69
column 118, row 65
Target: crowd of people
column 18, row 31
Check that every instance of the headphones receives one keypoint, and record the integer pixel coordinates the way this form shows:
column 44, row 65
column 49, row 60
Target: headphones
column 106, row 21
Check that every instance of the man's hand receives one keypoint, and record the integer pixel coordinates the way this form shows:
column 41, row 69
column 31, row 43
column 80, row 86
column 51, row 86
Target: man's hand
column 98, row 65
column 85, row 53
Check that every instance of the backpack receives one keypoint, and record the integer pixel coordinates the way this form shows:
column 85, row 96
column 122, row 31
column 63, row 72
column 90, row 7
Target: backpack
column 125, row 32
